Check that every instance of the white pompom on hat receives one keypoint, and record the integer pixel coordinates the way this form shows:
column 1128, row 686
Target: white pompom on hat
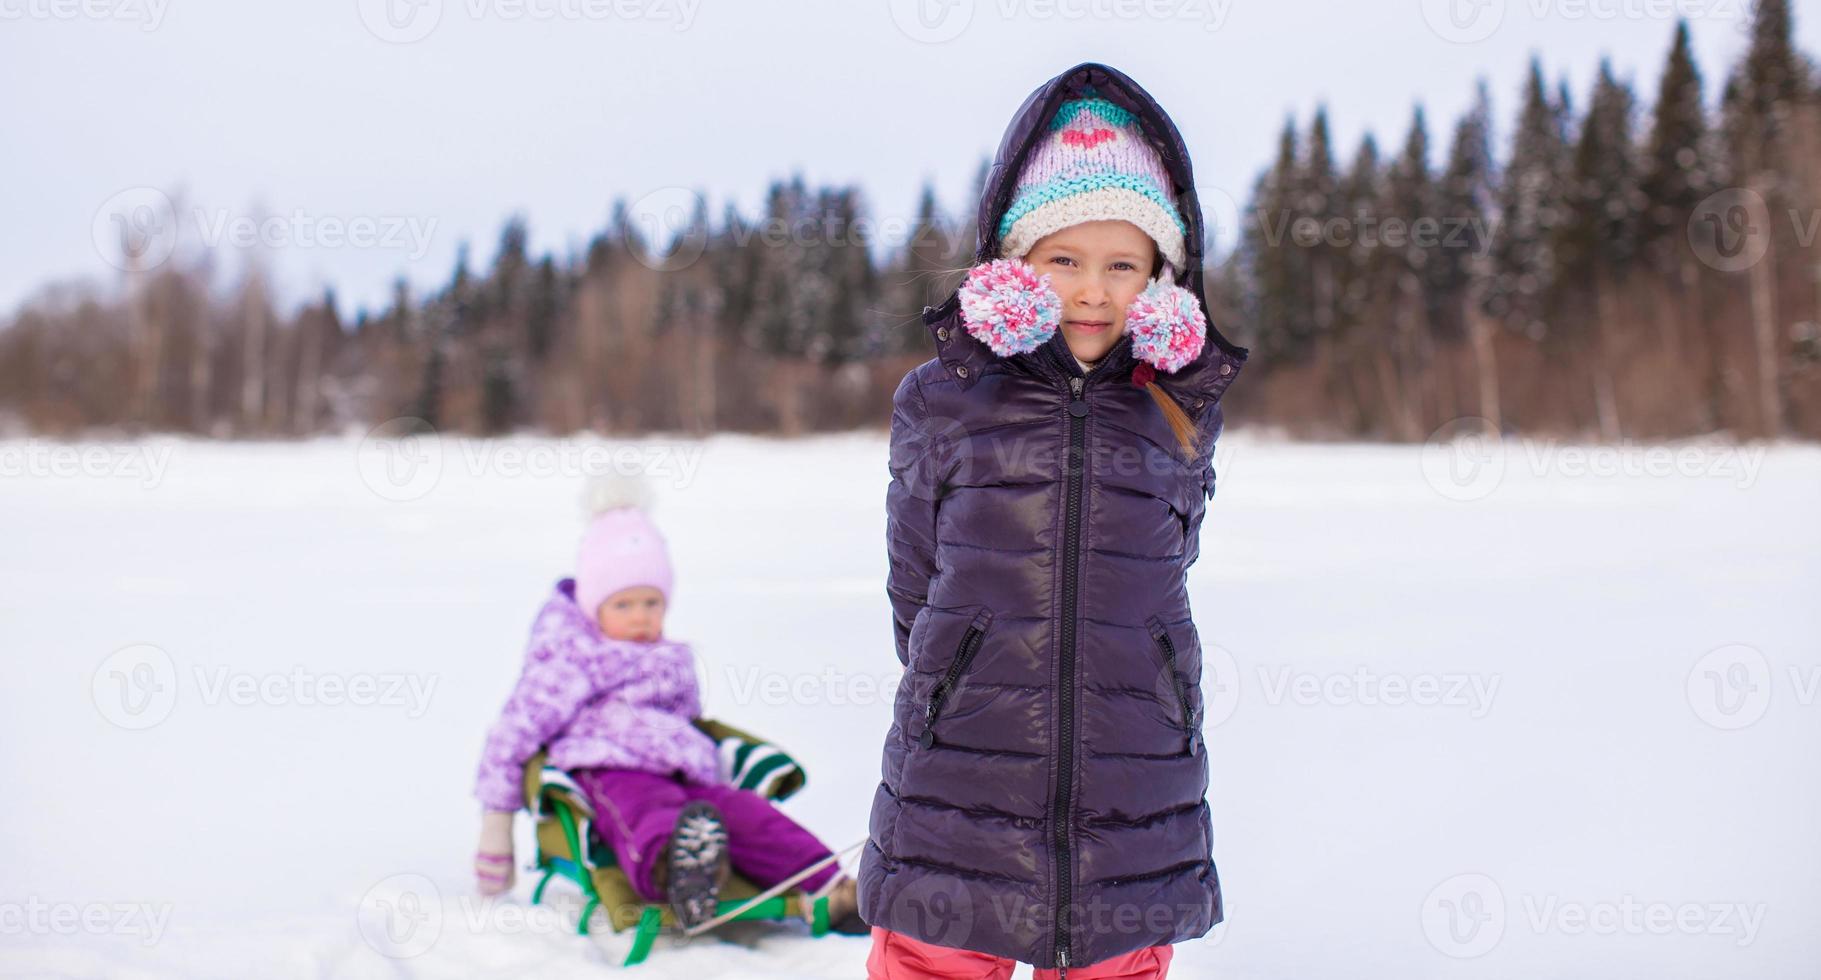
column 622, row 548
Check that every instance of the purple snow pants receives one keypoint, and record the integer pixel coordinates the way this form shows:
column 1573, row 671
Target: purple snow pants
column 635, row 811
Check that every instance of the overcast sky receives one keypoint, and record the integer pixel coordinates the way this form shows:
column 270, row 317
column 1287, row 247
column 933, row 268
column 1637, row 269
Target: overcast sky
column 408, row 126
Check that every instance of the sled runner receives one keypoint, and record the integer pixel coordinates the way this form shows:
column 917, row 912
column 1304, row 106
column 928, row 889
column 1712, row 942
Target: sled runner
column 566, row 847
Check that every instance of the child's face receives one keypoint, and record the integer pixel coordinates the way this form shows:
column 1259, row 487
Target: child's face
column 633, row 614
column 1098, row 268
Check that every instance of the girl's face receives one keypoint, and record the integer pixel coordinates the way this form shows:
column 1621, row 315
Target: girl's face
column 1098, row 268
column 633, row 614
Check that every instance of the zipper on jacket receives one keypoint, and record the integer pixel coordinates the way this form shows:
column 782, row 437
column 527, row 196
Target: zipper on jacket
column 964, row 655
column 1162, row 636
column 1065, row 767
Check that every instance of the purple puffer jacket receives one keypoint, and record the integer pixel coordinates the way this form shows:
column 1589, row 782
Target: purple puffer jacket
column 1044, row 779
column 616, row 704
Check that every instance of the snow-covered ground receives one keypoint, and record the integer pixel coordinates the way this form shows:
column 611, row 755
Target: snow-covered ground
column 1539, row 711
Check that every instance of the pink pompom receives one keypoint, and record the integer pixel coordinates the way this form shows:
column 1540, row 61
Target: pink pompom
column 1009, row 307
column 1167, row 326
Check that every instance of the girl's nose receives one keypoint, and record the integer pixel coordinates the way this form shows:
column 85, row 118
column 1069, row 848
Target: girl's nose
column 1092, row 293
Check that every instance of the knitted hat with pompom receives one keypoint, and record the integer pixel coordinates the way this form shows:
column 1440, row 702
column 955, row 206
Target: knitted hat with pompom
column 1093, row 165
column 622, row 547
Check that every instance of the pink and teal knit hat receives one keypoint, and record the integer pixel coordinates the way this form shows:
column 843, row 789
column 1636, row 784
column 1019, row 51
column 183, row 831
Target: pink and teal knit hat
column 1093, row 165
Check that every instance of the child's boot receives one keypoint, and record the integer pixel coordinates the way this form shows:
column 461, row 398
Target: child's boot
column 694, row 864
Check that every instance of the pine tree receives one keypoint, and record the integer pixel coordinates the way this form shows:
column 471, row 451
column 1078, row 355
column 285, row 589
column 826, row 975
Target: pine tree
column 1599, row 233
column 1461, row 273
column 1271, row 262
column 1598, row 237
column 1318, row 201
column 1530, row 211
column 1678, row 171
column 1466, row 203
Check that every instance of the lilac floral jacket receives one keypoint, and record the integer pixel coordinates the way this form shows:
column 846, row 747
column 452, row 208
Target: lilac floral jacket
column 595, row 702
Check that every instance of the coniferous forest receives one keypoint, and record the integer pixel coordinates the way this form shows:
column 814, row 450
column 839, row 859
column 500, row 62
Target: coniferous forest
column 1625, row 265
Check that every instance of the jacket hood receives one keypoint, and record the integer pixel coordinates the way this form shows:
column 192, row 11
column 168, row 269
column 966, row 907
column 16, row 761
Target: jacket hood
column 965, row 357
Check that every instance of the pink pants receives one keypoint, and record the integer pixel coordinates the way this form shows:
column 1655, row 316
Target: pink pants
column 896, row 956
column 634, row 813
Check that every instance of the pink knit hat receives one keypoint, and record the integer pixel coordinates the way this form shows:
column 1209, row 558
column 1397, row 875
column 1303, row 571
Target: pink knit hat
column 621, row 548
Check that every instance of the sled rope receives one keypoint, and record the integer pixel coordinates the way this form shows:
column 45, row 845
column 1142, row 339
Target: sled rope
column 774, row 890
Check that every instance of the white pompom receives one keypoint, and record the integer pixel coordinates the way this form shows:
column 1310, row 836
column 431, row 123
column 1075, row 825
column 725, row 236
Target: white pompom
column 613, row 490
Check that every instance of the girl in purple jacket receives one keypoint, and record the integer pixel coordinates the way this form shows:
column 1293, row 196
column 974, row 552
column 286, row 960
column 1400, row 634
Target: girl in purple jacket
column 1044, row 784
column 614, row 703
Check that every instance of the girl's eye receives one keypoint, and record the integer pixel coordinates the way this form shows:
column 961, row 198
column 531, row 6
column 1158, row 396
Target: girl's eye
column 1062, row 258
column 1124, row 266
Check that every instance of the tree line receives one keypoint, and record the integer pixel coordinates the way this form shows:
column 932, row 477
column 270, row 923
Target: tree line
column 1619, row 271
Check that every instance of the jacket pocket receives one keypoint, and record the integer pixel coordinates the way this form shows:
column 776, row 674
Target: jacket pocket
column 1185, row 715
column 964, row 656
